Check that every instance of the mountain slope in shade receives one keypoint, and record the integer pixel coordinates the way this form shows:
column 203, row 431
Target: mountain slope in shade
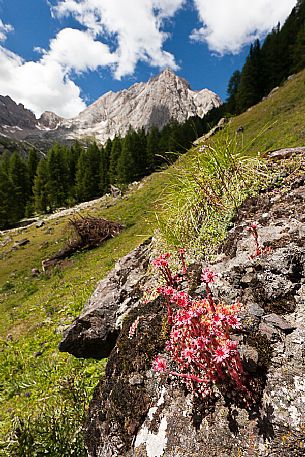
column 14, row 118
column 155, row 103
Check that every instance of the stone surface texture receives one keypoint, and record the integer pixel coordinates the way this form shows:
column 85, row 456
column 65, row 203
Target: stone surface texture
column 94, row 332
column 136, row 412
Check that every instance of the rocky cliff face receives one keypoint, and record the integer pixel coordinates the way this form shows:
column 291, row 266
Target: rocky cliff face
column 154, row 103
column 136, row 412
column 15, row 118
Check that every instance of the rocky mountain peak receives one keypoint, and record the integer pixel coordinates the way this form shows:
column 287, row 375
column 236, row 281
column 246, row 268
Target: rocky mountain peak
column 49, row 120
column 169, row 76
column 163, row 98
column 15, row 115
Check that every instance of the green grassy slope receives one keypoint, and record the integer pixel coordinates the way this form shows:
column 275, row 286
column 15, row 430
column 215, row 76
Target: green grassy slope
column 34, row 309
column 278, row 121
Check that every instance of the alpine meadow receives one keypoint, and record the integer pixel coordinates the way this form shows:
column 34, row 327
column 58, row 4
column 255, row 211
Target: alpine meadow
column 152, row 279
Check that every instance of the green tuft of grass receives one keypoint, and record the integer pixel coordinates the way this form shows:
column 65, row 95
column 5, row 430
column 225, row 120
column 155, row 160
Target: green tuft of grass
column 205, row 191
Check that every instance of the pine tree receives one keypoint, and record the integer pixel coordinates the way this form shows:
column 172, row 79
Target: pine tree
column 5, row 162
column 250, row 89
column 175, row 138
column 57, row 185
column 299, row 51
column 126, row 163
column 40, row 191
column 116, row 149
column 18, row 174
column 94, row 157
column 139, row 154
column 71, row 157
column 188, row 133
column 104, row 169
column 70, row 165
column 199, row 125
column 8, row 211
column 32, row 164
column 105, row 166
column 82, row 174
column 164, row 140
column 232, row 90
column 286, row 41
column 272, row 62
column 87, row 174
column 152, row 148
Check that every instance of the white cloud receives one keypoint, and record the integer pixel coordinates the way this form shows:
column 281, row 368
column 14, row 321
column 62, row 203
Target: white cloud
column 39, row 85
column 77, row 50
column 47, row 84
column 136, row 27
column 230, row 24
column 4, row 30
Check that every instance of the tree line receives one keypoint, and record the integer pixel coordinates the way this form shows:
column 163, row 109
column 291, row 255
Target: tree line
column 68, row 175
column 269, row 64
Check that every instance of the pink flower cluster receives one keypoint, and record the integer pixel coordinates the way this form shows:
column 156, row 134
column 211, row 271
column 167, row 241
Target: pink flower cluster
column 200, row 347
column 259, row 249
column 133, row 328
column 208, row 276
column 161, row 262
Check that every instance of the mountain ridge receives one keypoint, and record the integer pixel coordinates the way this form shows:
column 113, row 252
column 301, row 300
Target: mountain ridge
column 155, row 103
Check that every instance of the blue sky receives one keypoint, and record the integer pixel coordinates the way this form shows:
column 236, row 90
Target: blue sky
column 61, row 55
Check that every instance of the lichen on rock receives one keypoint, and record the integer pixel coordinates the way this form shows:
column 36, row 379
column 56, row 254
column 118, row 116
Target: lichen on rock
column 95, row 331
column 122, row 399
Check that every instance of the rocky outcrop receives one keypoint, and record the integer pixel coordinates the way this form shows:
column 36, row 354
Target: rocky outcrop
column 94, row 332
column 285, row 153
column 163, row 98
column 136, row 412
column 221, row 124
